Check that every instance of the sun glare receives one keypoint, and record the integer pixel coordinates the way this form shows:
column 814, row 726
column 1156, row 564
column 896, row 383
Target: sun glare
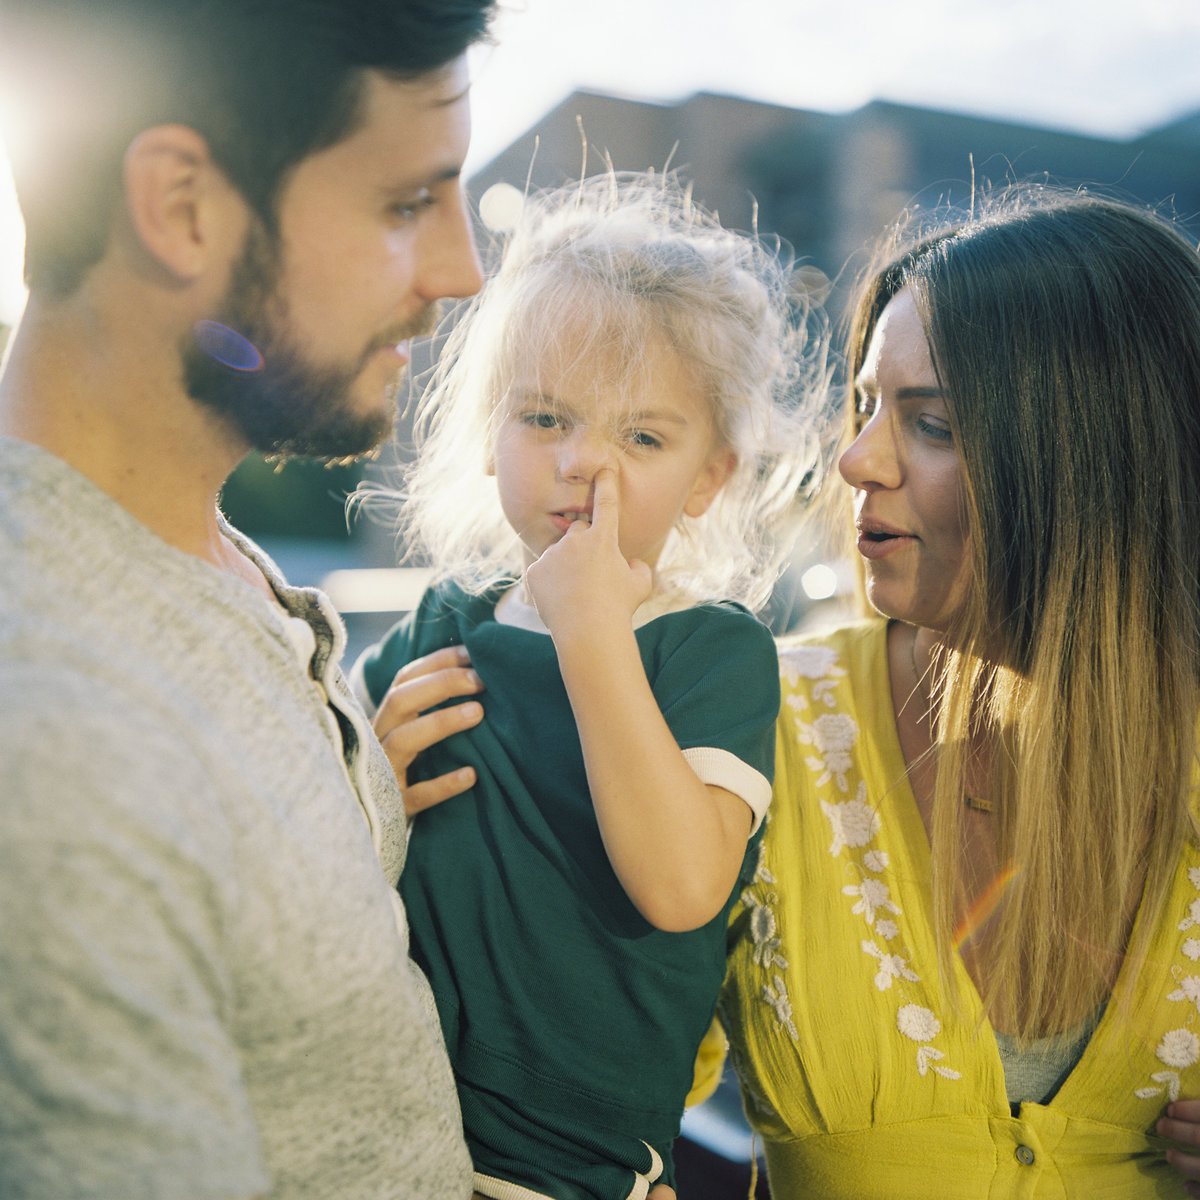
column 12, row 250
column 12, row 247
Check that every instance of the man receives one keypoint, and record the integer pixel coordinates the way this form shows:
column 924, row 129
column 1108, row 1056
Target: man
column 238, row 213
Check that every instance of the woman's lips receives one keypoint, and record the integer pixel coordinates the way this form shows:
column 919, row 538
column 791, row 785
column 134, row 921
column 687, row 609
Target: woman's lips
column 876, row 540
column 874, row 548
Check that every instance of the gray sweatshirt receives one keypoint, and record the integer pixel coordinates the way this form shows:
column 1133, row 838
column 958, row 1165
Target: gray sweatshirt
column 205, row 988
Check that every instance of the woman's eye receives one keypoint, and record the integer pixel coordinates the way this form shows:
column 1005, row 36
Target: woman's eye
column 864, row 410
column 934, row 427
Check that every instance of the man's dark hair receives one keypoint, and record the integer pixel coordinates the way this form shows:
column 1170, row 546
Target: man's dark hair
column 265, row 82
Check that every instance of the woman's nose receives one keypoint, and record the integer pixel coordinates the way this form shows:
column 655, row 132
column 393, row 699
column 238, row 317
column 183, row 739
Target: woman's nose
column 871, row 460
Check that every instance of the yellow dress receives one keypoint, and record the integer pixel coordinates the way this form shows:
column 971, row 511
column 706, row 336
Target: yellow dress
column 857, row 1072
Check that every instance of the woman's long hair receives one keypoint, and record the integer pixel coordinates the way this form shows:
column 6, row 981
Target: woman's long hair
column 1065, row 333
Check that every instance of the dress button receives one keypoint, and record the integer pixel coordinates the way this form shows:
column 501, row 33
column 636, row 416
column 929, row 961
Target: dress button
column 1025, row 1156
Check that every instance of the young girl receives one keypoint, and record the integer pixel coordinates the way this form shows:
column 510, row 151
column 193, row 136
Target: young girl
column 613, row 455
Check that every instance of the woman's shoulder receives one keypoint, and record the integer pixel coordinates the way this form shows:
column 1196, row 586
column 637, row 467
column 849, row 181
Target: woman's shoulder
column 854, row 650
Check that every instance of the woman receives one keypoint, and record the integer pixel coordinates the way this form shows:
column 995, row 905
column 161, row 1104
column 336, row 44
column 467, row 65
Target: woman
column 969, row 964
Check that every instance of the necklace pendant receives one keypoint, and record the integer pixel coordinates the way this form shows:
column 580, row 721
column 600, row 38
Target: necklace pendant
column 978, row 804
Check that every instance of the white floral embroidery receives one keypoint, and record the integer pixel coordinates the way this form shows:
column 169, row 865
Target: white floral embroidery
column 1180, row 1048
column 854, row 822
column 764, row 933
column 776, row 995
column 1170, row 1078
column 872, row 895
column 834, row 735
column 1193, row 917
column 818, row 663
column 931, row 1054
column 891, row 966
column 1189, row 989
column 761, row 870
column 919, row 1024
column 811, row 662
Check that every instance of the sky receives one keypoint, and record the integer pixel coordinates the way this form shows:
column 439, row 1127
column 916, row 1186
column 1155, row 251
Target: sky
column 1107, row 67
column 1112, row 68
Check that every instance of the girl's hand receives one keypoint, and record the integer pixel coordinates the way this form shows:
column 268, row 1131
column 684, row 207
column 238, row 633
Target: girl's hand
column 405, row 727
column 1182, row 1125
column 583, row 580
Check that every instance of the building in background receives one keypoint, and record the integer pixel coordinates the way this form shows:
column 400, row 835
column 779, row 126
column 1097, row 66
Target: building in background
column 828, row 184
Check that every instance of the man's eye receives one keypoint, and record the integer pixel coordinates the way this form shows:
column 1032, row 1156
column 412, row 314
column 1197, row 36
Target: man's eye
column 412, row 207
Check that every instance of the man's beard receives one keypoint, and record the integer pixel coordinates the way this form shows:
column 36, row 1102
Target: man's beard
column 283, row 405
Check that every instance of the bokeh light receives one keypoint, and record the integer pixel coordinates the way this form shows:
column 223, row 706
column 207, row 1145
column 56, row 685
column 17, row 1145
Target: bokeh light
column 500, row 207
column 820, row 582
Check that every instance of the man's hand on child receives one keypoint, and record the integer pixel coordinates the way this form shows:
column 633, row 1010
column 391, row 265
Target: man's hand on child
column 405, row 726
column 584, row 580
column 1182, row 1125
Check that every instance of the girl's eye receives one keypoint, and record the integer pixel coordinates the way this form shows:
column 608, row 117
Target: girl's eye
column 643, row 439
column 540, row 419
column 935, row 428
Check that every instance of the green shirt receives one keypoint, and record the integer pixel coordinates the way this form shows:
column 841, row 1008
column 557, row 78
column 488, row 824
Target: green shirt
column 567, row 1014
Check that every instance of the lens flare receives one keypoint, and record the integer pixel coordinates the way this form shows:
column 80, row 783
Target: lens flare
column 227, row 346
column 986, row 904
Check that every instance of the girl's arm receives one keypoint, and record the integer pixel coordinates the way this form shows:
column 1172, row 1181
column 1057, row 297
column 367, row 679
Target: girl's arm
column 675, row 843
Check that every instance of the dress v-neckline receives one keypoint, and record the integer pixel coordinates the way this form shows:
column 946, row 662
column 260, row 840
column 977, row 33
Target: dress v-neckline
column 900, row 803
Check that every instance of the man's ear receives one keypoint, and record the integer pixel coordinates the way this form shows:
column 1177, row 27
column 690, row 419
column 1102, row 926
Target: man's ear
column 711, row 479
column 173, row 192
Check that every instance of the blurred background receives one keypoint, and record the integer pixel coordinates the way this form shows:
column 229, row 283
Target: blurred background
column 818, row 122
column 814, row 121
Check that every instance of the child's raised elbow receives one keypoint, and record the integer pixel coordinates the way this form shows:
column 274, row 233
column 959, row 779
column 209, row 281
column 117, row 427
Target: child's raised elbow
column 682, row 910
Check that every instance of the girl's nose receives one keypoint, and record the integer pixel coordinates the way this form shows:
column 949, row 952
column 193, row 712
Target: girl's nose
column 581, row 453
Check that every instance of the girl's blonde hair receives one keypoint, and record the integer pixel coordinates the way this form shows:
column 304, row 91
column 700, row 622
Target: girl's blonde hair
column 608, row 269
column 1065, row 332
